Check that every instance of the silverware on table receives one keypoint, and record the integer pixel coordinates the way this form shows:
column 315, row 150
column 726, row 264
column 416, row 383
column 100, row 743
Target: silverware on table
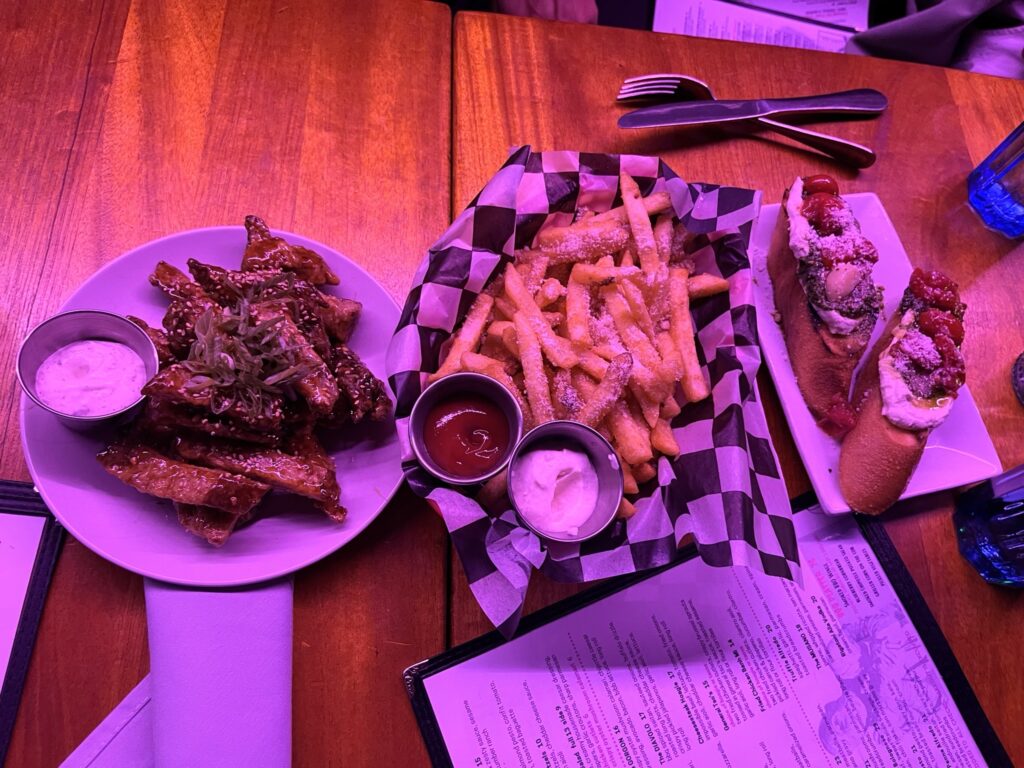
column 685, row 88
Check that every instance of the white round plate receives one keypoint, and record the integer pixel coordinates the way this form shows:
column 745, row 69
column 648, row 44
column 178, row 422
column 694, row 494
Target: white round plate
column 141, row 533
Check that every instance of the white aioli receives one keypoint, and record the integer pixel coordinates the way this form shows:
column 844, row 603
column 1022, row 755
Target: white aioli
column 90, row 378
column 556, row 490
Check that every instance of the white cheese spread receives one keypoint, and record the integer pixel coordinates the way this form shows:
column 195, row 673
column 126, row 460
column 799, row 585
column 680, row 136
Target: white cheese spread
column 901, row 406
column 555, row 490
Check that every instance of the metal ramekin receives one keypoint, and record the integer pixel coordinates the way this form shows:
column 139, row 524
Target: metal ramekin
column 573, row 435
column 82, row 325
column 463, row 384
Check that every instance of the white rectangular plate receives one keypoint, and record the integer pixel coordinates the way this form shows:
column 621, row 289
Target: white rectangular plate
column 958, row 452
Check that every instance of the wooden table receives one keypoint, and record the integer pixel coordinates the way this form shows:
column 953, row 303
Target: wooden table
column 553, row 86
column 131, row 120
column 125, row 121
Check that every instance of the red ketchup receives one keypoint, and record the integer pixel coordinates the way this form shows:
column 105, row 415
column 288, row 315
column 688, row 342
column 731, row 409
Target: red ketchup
column 466, row 435
column 820, row 208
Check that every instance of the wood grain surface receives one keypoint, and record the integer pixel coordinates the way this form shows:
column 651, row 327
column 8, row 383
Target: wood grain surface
column 553, row 86
column 128, row 120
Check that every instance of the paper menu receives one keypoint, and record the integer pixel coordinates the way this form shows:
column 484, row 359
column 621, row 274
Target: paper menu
column 699, row 666
column 725, row 21
column 19, row 542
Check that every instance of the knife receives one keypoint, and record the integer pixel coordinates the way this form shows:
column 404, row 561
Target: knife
column 862, row 101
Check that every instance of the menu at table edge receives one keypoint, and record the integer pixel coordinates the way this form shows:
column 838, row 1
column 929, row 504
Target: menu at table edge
column 700, row 666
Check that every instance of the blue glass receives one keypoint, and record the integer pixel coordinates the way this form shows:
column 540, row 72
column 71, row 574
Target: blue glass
column 995, row 188
column 989, row 522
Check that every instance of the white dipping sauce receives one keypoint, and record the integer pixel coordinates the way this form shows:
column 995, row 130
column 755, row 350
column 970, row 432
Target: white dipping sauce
column 556, row 490
column 91, row 378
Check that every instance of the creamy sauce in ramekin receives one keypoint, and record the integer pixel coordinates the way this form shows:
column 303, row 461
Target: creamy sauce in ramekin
column 90, row 378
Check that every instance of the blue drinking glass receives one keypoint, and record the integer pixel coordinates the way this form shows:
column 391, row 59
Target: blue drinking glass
column 989, row 523
column 995, row 188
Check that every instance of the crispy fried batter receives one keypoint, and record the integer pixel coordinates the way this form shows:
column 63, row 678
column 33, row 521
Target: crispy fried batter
column 264, row 251
column 151, row 472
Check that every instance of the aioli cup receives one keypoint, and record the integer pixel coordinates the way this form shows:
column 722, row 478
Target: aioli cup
column 574, row 436
column 83, row 325
column 452, row 386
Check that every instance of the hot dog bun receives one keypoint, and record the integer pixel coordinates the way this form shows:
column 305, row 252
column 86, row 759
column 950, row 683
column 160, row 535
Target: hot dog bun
column 877, row 458
column 822, row 362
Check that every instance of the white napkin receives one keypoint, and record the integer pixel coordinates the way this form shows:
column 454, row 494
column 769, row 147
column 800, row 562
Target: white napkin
column 219, row 688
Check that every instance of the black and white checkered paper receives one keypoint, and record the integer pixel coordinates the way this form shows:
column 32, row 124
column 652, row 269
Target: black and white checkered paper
column 724, row 488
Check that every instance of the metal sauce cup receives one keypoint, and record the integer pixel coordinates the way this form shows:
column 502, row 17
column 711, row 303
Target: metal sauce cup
column 83, row 325
column 453, row 386
column 555, row 435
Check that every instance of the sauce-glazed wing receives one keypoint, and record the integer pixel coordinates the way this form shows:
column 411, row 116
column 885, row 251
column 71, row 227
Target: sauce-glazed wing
column 163, row 419
column 264, row 251
column 148, row 471
column 177, row 384
column 339, row 316
column 304, row 473
column 159, row 339
column 317, row 386
column 214, row 525
column 362, row 395
column 188, row 302
column 305, row 446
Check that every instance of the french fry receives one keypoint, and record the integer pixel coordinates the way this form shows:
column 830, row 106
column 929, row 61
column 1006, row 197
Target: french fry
column 638, row 307
column 669, row 353
column 663, row 440
column 702, row 286
column 626, row 510
column 594, row 365
column 538, row 388
column 505, row 332
column 577, row 313
column 650, row 408
column 663, row 231
column 608, row 391
column 593, row 274
column 504, row 308
column 556, row 349
column 585, row 241
column 629, row 436
column 564, row 395
column 639, row 224
column 629, row 484
column 655, row 203
column 644, row 472
column 533, row 271
column 550, row 291
column 634, row 339
column 488, row 366
column 681, row 328
column 493, row 491
column 468, row 337
column 670, row 408
column 628, row 258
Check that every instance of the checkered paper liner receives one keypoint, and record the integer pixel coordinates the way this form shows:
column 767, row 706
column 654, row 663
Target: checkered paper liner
column 724, row 487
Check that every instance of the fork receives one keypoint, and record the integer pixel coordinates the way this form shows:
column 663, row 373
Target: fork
column 675, row 87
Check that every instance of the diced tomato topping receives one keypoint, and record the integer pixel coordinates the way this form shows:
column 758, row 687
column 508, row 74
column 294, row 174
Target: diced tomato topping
column 934, row 322
column 820, row 182
column 820, row 210
column 936, row 290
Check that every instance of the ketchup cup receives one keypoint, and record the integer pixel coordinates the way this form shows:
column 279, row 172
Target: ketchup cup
column 452, row 442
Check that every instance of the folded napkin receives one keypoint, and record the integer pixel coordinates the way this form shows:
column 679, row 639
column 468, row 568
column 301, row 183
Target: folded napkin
column 219, row 688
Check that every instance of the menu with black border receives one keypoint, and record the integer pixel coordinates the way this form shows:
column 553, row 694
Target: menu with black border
column 700, row 666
